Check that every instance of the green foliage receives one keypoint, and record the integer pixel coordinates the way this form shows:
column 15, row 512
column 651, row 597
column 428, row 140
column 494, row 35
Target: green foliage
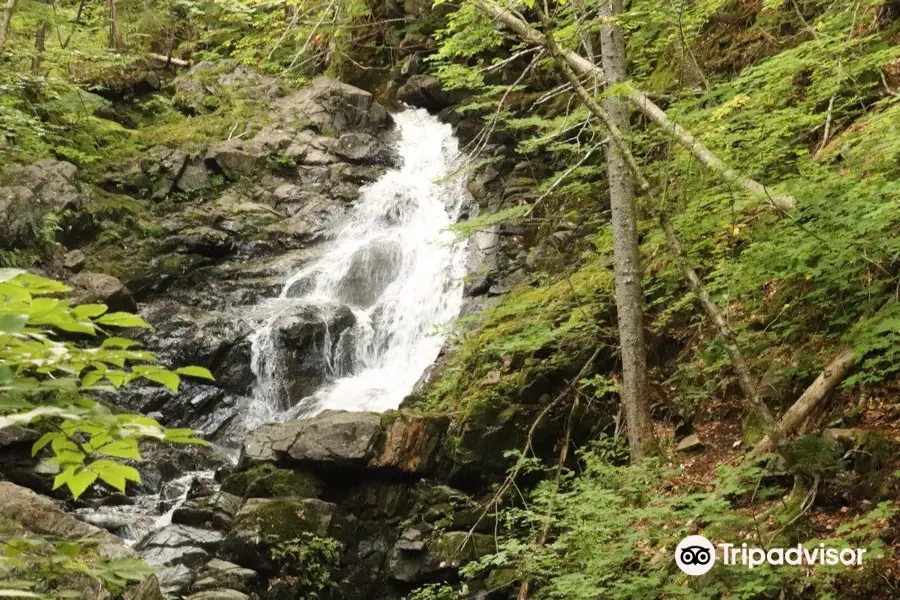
column 48, row 374
column 37, row 566
column 614, row 530
column 309, row 560
column 536, row 331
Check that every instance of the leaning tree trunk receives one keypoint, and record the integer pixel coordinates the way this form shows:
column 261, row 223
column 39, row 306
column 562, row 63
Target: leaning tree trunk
column 626, row 261
column 4, row 23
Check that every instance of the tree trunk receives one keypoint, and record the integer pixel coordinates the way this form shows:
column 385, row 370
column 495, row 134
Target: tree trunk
column 4, row 24
column 40, row 39
column 115, row 40
column 626, row 260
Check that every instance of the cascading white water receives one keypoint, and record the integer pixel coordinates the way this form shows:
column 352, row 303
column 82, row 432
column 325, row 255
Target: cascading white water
column 394, row 264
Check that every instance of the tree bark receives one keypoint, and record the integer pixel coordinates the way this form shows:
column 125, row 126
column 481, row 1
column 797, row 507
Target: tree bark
column 40, row 40
column 626, row 260
column 115, row 37
column 4, row 23
column 584, row 67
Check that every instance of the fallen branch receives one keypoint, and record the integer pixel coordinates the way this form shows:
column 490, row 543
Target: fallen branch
column 168, row 60
column 640, row 100
column 824, row 384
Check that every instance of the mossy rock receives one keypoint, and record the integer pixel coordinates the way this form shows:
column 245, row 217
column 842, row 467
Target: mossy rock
column 268, row 481
column 284, row 518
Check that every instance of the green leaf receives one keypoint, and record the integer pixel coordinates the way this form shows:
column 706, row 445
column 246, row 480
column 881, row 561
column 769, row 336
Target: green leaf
column 80, row 481
column 44, row 440
column 200, row 372
column 123, row 319
column 167, row 378
column 118, row 342
column 184, row 436
column 18, row 594
column 12, row 323
column 115, row 474
column 127, row 449
column 88, row 311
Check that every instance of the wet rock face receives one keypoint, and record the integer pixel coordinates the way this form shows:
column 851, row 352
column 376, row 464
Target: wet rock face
column 425, row 91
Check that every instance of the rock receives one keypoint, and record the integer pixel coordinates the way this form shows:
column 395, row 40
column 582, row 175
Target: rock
column 194, row 178
column 439, row 558
column 398, row 441
column 337, row 437
column 175, row 581
column 267, row 481
column 229, row 575
column 305, row 340
column 105, row 289
column 372, row 269
column 29, row 194
column 200, row 89
column 74, row 261
column 16, row 435
column 425, row 91
column 178, row 544
column 205, row 241
column 691, row 443
column 219, row 595
column 411, row 442
column 264, row 522
column 232, row 160
column 41, row 515
column 148, row 589
column 216, row 511
column 362, row 147
column 332, row 107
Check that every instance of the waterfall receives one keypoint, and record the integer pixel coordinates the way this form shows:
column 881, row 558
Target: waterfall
column 365, row 318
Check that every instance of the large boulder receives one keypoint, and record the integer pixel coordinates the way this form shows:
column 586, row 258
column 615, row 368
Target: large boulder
column 304, row 340
column 425, row 91
column 332, row 438
column 336, row 439
column 178, row 545
column 97, row 287
column 32, row 194
column 23, row 512
column 202, row 87
column 332, row 107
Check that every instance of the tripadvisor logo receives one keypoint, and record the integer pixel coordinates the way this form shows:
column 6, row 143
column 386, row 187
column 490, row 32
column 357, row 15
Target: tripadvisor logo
column 696, row 555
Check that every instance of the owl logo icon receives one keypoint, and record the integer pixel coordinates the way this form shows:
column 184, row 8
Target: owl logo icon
column 695, row 555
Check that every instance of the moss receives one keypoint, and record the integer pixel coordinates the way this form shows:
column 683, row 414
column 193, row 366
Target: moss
column 283, row 518
column 268, row 481
column 534, row 333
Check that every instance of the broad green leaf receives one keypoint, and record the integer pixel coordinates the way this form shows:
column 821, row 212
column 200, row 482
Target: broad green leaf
column 167, row 378
column 44, row 440
column 12, row 323
column 118, row 342
column 184, row 436
column 88, row 311
column 201, row 372
column 127, row 448
column 122, row 319
column 115, row 474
